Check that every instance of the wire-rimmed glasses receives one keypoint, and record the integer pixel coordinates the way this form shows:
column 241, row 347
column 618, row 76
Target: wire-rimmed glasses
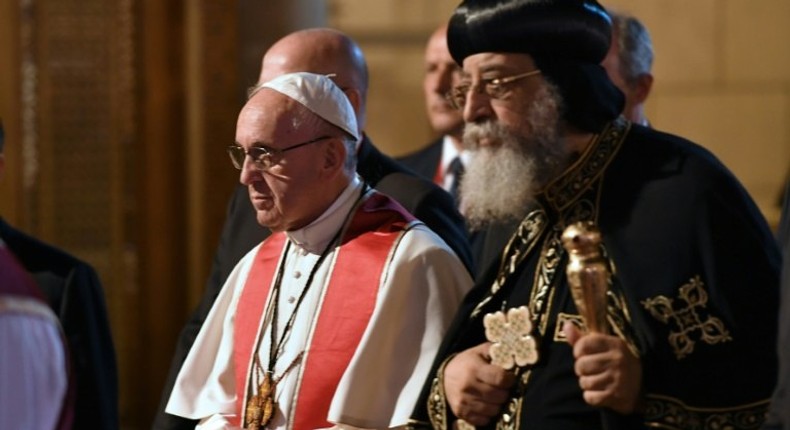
column 495, row 88
column 263, row 157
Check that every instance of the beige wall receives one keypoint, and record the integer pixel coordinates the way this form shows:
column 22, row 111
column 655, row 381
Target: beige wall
column 722, row 74
column 393, row 34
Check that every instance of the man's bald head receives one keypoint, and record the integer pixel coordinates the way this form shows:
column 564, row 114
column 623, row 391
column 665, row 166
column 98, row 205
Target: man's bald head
column 322, row 51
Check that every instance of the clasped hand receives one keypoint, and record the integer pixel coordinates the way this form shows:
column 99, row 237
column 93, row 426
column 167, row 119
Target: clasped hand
column 476, row 389
column 609, row 375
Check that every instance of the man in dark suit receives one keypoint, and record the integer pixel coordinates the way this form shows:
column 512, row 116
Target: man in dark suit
column 321, row 51
column 442, row 160
column 75, row 294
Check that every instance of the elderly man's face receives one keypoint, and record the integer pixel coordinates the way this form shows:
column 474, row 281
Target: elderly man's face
column 513, row 131
column 285, row 194
column 509, row 109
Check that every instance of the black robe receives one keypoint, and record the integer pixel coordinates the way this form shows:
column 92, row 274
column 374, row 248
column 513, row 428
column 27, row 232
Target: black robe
column 694, row 291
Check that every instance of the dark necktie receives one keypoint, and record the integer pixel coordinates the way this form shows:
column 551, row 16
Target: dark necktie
column 456, row 168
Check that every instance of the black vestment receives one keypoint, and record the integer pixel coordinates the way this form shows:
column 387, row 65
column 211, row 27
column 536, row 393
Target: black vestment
column 694, row 292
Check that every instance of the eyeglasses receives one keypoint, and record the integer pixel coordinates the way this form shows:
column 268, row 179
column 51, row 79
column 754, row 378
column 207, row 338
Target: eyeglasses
column 494, row 88
column 263, row 157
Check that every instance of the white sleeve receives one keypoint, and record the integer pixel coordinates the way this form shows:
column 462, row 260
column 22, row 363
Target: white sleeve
column 425, row 283
column 33, row 376
column 206, row 384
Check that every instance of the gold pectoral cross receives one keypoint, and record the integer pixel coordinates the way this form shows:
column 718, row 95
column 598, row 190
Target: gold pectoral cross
column 260, row 407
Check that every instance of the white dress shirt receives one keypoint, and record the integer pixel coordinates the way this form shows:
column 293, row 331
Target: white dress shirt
column 449, row 152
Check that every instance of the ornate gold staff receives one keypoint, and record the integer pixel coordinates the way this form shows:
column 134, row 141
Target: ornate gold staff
column 588, row 274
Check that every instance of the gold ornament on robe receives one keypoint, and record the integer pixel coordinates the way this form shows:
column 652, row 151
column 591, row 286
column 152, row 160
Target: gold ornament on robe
column 588, row 274
column 260, row 407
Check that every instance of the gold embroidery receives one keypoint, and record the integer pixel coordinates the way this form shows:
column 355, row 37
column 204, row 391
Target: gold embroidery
column 562, row 318
column 545, row 277
column 620, row 319
column 567, row 188
column 511, row 415
column 688, row 320
column 670, row 413
column 517, row 249
column 437, row 403
column 583, row 209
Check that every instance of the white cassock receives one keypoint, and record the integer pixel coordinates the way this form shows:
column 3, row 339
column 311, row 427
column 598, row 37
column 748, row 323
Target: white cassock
column 422, row 288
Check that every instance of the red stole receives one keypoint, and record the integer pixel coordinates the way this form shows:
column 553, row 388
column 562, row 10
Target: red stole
column 343, row 315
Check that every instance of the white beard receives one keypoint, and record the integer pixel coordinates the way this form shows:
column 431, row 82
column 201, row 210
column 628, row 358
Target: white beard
column 503, row 178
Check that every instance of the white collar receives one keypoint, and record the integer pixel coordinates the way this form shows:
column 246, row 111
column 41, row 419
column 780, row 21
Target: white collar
column 449, row 152
column 315, row 236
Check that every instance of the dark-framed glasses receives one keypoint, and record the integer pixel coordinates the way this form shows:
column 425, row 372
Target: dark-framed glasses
column 263, row 157
column 496, row 88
